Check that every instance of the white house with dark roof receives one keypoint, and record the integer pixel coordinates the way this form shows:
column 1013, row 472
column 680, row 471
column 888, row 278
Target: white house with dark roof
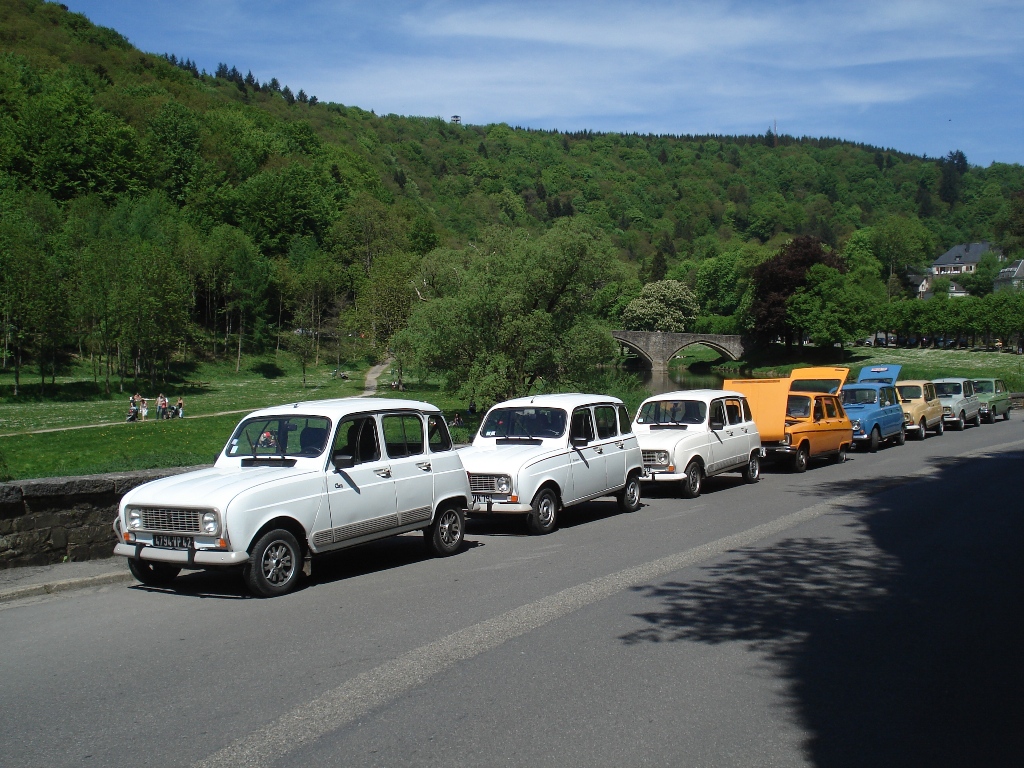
column 962, row 259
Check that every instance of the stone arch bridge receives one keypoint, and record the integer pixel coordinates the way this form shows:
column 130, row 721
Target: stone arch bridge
column 657, row 347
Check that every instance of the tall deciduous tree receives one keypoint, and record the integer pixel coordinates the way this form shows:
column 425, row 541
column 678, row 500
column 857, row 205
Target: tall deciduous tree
column 667, row 305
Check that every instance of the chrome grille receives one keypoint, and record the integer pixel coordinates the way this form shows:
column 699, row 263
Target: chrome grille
column 186, row 520
column 651, row 457
column 483, row 483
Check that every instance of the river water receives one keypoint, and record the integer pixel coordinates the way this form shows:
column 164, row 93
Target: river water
column 678, row 378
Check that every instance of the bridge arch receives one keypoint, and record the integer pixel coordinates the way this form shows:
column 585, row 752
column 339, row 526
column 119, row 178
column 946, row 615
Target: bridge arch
column 658, row 347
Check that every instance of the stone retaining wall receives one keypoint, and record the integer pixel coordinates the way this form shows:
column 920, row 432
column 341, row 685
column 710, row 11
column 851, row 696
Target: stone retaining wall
column 55, row 519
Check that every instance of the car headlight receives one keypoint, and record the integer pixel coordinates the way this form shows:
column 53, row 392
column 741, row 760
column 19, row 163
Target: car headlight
column 503, row 484
column 788, row 439
column 907, row 417
column 856, row 425
column 210, row 522
column 134, row 518
column 661, row 457
column 946, row 410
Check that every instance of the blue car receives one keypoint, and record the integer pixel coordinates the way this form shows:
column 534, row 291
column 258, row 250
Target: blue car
column 873, row 406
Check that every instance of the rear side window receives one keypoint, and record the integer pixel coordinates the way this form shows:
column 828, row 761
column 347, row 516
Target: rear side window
column 625, row 424
column 605, row 416
column 734, row 411
column 830, row 408
column 746, row 411
column 403, row 435
column 437, row 435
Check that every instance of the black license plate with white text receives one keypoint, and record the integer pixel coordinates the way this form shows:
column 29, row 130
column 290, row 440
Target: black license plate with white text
column 172, row 542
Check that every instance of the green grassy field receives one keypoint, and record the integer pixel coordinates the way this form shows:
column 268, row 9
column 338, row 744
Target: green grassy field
column 118, row 446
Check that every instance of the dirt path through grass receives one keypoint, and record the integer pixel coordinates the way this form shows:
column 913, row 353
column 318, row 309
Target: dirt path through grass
column 370, row 382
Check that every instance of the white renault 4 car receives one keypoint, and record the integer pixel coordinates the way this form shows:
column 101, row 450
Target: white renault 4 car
column 537, row 455
column 299, row 480
column 692, row 434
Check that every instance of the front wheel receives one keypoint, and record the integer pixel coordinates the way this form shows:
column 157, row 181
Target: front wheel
column 876, row 438
column 629, row 497
column 274, row 564
column 444, row 535
column 543, row 516
column 692, row 479
column 153, row 574
column 752, row 472
column 801, row 460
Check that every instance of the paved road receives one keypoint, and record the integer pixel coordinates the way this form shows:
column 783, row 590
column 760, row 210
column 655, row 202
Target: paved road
column 799, row 621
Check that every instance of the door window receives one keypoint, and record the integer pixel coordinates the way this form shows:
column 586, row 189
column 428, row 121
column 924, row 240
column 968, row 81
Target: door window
column 929, row 393
column 605, row 417
column 717, row 412
column 746, row 411
column 818, row 415
column 968, row 388
column 734, row 411
column 437, row 435
column 357, row 438
column 1000, row 387
column 830, row 408
column 582, row 425
column 625, row 424
column 403, row 435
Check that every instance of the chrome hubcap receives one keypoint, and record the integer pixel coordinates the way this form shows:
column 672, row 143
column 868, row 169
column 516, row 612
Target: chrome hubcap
column 546, row 510
column 633, row 492
column 278, row 563
column 448, row 528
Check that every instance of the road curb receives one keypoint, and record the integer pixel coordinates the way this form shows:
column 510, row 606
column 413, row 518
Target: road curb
column 64, row 585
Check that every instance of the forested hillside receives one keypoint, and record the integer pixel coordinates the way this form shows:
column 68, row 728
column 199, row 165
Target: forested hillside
column 152, row 211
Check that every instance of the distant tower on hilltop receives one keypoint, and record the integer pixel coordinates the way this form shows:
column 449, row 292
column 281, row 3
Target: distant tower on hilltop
column 456, row 119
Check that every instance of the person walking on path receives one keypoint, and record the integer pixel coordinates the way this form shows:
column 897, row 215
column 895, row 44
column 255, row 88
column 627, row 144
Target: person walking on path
column 180, row 407
column 145, row 408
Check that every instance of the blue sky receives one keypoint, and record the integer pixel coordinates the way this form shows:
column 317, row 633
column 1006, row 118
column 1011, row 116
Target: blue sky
column 920, row 76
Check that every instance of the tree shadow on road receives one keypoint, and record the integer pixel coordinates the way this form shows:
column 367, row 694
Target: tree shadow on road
column 901, row 638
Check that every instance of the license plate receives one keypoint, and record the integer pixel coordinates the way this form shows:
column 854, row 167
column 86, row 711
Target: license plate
column 172, row 542
column 480, row 499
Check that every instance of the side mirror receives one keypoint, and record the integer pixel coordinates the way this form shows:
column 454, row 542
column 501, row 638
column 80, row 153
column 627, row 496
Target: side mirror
column 716, row 425
column 342, row 460
column 578, row 441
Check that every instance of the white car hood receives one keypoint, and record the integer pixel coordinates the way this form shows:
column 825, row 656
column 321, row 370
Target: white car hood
column 504, row 459
column 667, row 439
column 214, row 487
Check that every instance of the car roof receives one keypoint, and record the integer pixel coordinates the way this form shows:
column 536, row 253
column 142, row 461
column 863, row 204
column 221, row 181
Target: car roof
column 918, row 382
column 951, row 380
column 340, row 407
column 707, row 395
column 563, row 400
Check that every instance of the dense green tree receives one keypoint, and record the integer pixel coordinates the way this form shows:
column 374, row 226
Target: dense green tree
column 667, row 305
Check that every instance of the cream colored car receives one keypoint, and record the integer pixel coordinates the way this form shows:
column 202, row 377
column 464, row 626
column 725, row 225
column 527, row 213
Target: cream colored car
column 922, row 409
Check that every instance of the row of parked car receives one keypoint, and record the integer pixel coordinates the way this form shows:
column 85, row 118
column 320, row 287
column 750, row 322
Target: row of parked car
column 310, row 478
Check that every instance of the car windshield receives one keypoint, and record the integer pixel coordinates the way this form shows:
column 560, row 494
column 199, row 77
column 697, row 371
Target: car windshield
column 815, row 385
column 280, row 436
column 528, row 422
column 985, row 387
column 859, row 396
column 909, row 392
column 948, row 388
column 798, row 407
column 672, row 412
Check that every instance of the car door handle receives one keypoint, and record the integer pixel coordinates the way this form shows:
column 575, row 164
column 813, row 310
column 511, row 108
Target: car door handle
column 424, row 465
column 598, row 449
column 383, row 472
column 621, row 444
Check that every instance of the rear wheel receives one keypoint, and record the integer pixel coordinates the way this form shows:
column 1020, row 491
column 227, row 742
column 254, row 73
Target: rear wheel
column 960, row 422
column 543, row 516
column 801, row 459
column 841, row 454
column 901, row 437
column 692, row 480
column 629, row 497
column 922, row 429
column 444, row 535
column 976, row 421
column 153, row 574
column 752, row 472
column 876, row 438
column 940, row 428
column 1006, row 415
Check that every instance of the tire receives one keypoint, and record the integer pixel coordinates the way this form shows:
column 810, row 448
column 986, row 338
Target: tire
column 543, row 518
column 693, row 479
column 992, row 416
column 629, row 497
column 841, row 454
column 876, row 438
column 752, row 472
column 940, row 428
column 961, row 422
column 801, row 459
column 976, row 421
column 275, row 564
column 901, row 437
column 444, row 536
column 1006, row 415
column 153, row 574
column 922, row 429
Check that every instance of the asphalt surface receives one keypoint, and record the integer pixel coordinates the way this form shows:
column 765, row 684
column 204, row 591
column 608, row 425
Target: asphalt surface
column 870, row 613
